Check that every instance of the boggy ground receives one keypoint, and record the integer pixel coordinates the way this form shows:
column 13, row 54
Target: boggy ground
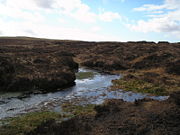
column 115, row 117
column 156, row 64
column 147, row 67
column 143, row 117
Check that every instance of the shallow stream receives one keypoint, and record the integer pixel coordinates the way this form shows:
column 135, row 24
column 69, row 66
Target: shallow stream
column 91, row 88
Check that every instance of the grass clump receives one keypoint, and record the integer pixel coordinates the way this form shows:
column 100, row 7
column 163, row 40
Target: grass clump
column 84, row 75
column 78, row 109
column 25, row 123
column 22, row 125
column 139, row 86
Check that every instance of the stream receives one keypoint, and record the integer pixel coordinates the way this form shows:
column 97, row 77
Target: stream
column 92, row 89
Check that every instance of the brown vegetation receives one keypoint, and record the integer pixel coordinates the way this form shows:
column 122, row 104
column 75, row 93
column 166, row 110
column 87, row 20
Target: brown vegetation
column 34, row 65
column 148, row 67
column 115, row 117
column 33, row 60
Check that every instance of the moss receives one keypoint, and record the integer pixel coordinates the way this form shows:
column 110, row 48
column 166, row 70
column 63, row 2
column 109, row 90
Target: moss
column 139, row 86
column 26, row 123
column 22, row 125
column 84, row 75
column 78, row 109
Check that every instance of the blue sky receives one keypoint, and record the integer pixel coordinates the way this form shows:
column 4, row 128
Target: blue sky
column 92, row 20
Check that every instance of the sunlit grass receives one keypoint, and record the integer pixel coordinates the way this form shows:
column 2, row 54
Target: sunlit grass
column 139, row 86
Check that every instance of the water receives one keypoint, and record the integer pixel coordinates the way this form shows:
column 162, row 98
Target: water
column 92, row 90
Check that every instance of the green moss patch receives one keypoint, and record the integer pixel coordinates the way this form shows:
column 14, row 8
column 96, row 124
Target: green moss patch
column 78, row 109
column 25, row 123
column 84, row 75
column 22, row 125
column 139, row 86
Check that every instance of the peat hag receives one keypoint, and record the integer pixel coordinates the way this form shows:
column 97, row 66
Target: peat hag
column 34, row 65
column 147, row 67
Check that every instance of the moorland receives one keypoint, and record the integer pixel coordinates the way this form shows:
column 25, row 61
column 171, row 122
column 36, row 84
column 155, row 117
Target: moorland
column 43, row 65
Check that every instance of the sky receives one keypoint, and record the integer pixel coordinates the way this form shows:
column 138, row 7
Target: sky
column 92, row 20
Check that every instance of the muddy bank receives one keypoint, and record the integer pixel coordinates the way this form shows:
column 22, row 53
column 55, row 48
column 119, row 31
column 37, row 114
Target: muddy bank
column 146, row 117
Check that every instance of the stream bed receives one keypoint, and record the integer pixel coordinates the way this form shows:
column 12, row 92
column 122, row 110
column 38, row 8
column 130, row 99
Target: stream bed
column 91, row 88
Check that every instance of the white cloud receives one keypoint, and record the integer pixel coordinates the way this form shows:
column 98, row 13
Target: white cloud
column 95, row 29
column 75, row 9
column 168, row 4
column 44, row 3
column 150, row 7
column 109, row 16
column 30, row 18
column 20, row 4
column 82, row 12
column 46, row 31
column 61, row 20
column 18, row 11
column 163, row 18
